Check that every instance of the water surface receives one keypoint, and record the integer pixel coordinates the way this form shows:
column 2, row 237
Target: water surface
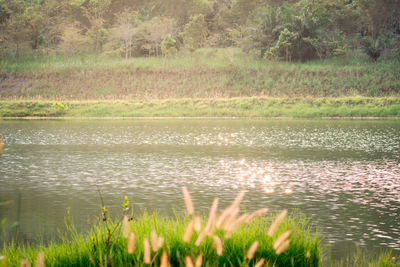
column 344, row 175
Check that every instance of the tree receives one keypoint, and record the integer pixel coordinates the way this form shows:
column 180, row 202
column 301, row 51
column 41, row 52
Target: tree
column 293, row 32
column 380, row 16
column 168, row 46
column 126, row 29
column 94, row 11
column 71, row 40
column 157, row 28
column 195, row 32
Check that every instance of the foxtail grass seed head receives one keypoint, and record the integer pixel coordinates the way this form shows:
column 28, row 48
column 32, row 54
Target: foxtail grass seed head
column 277, row 222
column 131, row 243
column 188, row 231
column 188, row 261
column 125, row 223
column 154, row 241
column 239, row 198
column 160, row 242
column 40, row 260
column 218, row 245
column 256, row 214
column 200, row 237
column 235, row 224
column 231, row 211
column 252, row 250
column 188, row 201
column 164, row 259
column 25, row 263
column 212, row 217
column 260, row 263
column 282, row 238
column 197, row 223
column 282, row 247
column 199, row 260
column 231, row 218
column 223, row 216
column 146, row 251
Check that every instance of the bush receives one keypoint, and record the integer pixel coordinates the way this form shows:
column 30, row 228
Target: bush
column 371, row 47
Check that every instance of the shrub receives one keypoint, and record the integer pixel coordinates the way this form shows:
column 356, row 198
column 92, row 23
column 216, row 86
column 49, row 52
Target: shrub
column 372, row 47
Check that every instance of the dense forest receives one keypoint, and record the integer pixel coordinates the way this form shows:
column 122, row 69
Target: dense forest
column 272, row 29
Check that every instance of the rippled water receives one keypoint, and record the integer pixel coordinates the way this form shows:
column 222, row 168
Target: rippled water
column 344, row 175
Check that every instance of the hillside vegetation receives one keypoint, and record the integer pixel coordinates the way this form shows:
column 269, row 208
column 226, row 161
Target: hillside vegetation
column 295, row 30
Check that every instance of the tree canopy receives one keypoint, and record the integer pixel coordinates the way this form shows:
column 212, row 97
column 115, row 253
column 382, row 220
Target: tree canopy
column 292, row 30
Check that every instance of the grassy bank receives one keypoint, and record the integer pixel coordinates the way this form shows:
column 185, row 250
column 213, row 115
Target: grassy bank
column 221, row 239
column 282, row 240
column 220, row 107
column 206, row 74
column 91, row 249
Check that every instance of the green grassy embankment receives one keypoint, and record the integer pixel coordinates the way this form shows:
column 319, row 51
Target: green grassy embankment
column 220, row 107
column 214, row 83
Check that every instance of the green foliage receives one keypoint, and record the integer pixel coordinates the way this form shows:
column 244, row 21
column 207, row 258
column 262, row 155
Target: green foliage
column 168, row 46
column 298, row 107
column 372, row 47
column 283, row 45
column 317, row 28
column 195, row 32
column 299, row 32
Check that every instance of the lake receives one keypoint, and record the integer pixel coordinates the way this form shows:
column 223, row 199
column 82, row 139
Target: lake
column 344, row 175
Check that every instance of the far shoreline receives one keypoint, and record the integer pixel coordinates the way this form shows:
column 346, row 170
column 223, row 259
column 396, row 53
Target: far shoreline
column 284, row 108
column 202, row 118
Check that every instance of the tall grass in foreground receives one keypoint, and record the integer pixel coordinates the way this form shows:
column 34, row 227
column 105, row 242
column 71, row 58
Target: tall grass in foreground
column 225, row 239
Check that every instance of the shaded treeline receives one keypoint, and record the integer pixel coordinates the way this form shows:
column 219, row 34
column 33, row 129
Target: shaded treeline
column 286, row 30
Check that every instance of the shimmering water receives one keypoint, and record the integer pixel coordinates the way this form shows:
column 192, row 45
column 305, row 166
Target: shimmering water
column 344, row 175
